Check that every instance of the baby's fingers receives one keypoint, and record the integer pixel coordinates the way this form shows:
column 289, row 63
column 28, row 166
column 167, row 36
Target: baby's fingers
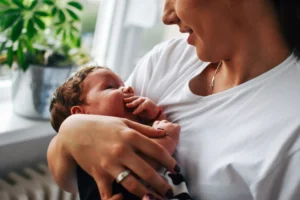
column 139, row 109
column 130, row 99
column 135, row 103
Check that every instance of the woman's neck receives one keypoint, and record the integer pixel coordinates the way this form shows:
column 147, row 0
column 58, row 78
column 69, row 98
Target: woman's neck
column 257, row 49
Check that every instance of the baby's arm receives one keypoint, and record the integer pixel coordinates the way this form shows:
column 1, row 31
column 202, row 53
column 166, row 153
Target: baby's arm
column 170, row 141
column 147, row 110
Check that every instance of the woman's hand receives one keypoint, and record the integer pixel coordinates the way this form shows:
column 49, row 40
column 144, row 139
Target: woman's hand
column 106, row 146
column 145, row 197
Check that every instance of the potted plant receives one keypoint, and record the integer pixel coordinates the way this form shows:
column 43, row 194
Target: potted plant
column 42, row 40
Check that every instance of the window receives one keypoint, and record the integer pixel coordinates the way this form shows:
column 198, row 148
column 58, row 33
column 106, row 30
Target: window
column 126, row 30
column 118, row 33
column 89, row 18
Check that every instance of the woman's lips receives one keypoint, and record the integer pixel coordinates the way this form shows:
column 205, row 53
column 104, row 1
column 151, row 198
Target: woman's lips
column 190, row 39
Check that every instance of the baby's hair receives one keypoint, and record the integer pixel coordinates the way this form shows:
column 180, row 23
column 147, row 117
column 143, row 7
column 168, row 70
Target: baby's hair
column 69, row 94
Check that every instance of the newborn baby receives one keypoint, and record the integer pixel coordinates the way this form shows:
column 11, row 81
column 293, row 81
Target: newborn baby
column 97, row 90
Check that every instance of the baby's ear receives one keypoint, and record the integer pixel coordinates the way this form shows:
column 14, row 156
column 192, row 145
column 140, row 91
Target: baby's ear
column 77, row 110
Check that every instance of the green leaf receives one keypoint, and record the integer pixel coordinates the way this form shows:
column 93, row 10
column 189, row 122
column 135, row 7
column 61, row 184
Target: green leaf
column 19, row 3
column 41, row 13
column 9, row 21
column 2, row 46
column 12, row 11
column 64, row 37
column 4, row 2
column 58, row 23
column 58, row 31
column 73, row 38
column 33, row 4
column 40, row 23
column 75, row 5
column 49, row 2
column 31, row 30
column 73, row 28
column 73, row 14
column 62, row 16
column 17, row 30
column 53, row 11
column 10, row 56
column 28, row 45
column 78, row 42
column 25, row 65
column 20, row 54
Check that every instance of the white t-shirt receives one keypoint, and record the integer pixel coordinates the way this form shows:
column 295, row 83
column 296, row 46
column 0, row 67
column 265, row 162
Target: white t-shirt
column 239, row 144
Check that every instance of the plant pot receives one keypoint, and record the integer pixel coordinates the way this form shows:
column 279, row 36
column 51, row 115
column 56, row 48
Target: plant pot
column 32, row 90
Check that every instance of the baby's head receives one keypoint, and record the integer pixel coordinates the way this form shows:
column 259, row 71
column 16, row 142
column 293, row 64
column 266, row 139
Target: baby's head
column 92, row 90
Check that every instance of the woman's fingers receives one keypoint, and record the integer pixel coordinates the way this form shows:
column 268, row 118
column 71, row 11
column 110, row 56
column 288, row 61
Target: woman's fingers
column 104, row 182
column 153, row 150
column 130, row 182
column 147, row 174
column 149, row 197
column 116, row 197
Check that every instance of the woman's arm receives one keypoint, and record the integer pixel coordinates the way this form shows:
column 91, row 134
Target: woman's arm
column 62, row 166
column 102, row 144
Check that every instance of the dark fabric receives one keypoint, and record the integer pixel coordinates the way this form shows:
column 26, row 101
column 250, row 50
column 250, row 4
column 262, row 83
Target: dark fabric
column 88, row 189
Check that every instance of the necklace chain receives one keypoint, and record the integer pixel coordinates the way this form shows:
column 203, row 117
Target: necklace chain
column 212, row 84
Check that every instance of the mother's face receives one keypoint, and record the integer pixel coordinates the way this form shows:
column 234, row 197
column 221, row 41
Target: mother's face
column 208, row 22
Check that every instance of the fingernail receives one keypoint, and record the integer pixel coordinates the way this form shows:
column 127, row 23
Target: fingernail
column 169, row 194
column 177, row 168
column 151, row 197
column 160, row 129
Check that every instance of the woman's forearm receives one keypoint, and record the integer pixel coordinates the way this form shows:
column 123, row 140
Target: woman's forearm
column 62, row 166
column 61, row 150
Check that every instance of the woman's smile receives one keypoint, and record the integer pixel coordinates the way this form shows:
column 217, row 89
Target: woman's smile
column 191, row 38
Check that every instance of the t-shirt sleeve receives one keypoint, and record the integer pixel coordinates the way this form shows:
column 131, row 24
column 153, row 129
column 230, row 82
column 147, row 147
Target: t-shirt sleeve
column 282, row 183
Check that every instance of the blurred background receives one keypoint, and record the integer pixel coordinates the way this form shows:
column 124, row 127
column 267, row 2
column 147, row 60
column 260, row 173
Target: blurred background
column 115, row 33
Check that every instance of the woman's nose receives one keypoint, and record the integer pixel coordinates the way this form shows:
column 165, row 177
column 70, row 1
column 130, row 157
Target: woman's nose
column 169, row 16
column 127, row 89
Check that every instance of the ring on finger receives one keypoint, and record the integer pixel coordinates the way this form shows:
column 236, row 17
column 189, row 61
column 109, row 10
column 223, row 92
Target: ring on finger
column 123, row 175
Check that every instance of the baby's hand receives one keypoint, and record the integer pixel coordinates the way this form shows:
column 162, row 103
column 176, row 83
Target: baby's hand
column 143, row 107
column 172, row 132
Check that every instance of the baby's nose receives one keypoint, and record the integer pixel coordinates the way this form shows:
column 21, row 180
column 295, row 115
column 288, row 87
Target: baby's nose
column 128, row 89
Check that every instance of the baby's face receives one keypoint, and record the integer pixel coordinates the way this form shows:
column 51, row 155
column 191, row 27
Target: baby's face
column 104, row 94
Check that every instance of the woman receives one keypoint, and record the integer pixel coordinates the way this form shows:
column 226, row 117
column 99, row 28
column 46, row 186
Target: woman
column 238, row 111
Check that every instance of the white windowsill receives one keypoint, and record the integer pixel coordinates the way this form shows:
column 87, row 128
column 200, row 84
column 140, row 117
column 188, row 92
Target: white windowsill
column 14, row 128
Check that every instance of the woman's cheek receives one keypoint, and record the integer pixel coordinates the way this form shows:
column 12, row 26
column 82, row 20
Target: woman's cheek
column 185, row 10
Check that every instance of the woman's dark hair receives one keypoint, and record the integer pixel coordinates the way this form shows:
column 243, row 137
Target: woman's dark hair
column 289, row 16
